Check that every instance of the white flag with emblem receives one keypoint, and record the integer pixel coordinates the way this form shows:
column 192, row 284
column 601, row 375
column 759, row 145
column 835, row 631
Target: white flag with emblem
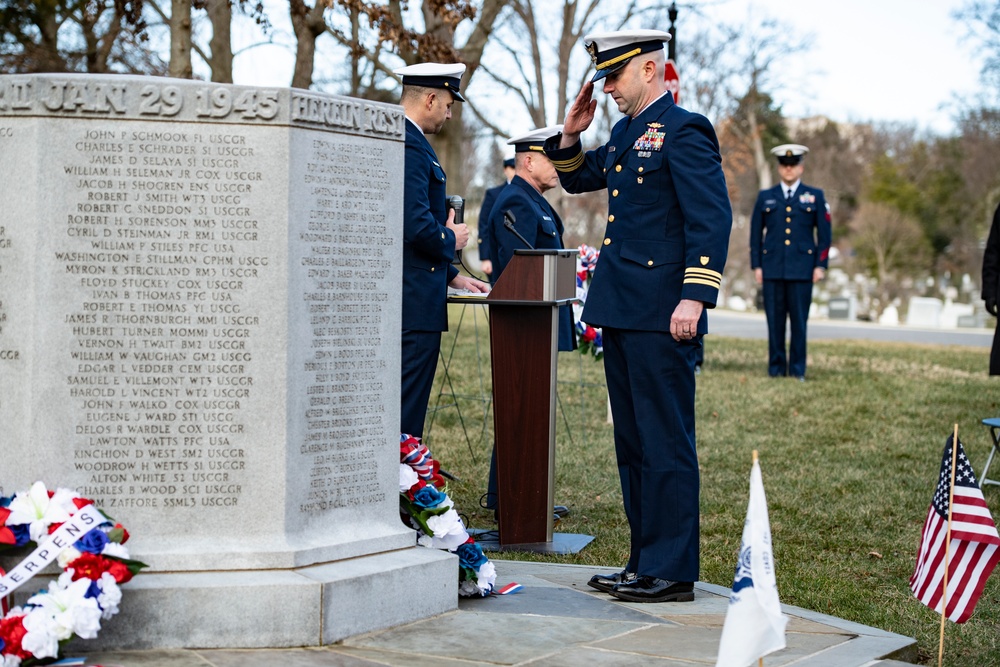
column 754, row 623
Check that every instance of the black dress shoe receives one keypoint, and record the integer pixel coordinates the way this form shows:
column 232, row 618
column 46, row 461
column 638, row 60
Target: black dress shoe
column 605, row 582
column 561, row 510
column 651, row 589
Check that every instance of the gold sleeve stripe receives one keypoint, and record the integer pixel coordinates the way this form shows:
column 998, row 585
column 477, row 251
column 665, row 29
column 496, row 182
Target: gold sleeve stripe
column 707, row 273
column 699, row 281
column 624, row 56
column 569, row 165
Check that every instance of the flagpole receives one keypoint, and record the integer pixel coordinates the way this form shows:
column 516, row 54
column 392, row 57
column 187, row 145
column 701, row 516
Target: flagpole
column 760, row 661
column 947, row 544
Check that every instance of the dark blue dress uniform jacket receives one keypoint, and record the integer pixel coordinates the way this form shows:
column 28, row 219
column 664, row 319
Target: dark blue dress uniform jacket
column 428, row 246
column 790, row 239
column 669, row 216
column 540, row 225
column 485, row 233
column 667, row 238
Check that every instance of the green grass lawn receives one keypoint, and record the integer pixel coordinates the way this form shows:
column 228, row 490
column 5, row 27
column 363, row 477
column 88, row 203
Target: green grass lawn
column 849, row 459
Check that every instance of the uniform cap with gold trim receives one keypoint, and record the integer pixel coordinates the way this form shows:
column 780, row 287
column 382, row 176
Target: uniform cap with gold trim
column 789, row 153
column 434, row 75
column 611, row 51
column 534, row 140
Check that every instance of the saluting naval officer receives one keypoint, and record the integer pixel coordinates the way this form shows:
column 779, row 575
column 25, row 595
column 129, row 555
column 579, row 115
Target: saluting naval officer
column 489, row 198
column 539, row 226
column 789, row 251
column 430, row 236
column 660, row 268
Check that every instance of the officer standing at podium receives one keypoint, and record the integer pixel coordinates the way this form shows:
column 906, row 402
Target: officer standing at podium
column 789, row 251
column 490, row 198
column 536, row 225
column 660, row 267
column 430, row 236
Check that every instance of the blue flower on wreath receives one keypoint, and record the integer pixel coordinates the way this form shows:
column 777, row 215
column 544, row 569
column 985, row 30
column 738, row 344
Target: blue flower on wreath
column 470, row 555
column 93, row 542
column 428, row 497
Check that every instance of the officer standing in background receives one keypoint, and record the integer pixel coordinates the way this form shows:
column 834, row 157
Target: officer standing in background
column 661, row 265
column 789, row 251
column 991, row 285
column 430, row 236
column 489, row 197
column 539, row 227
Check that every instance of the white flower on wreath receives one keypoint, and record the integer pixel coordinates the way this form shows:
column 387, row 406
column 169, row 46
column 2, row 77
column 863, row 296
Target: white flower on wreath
column 9, row 661
column 60, row 612
column 407, row 477
column 448, row 532
column 67, row 556
column 110, row 597
column 36, row 509
column 486, row 578
column 115, row 550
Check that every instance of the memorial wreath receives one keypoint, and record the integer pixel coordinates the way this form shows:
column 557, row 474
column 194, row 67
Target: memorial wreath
column 588, row 339
column 424, row 502
column 86, row 544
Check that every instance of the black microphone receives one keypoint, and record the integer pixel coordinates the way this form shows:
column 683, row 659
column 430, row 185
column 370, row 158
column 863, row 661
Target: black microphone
column 457, row 203
column 508, row 222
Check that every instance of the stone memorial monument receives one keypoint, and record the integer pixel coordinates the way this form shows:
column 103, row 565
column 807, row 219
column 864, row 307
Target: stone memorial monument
column 199, row 303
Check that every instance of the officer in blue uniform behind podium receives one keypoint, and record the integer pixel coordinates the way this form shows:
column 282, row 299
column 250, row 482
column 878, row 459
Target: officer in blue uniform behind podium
column 660, row 268
column 522, row 218
column 490, row 198
column 789, row 250
column 430, row 236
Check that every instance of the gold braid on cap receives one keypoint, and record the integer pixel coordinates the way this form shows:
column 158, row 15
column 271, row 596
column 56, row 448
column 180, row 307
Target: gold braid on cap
column 614, row 61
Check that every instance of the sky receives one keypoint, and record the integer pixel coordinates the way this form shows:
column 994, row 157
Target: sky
column 881, row 60
column 867, row 60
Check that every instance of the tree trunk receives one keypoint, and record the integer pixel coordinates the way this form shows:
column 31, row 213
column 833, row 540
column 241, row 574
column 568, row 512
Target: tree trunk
column 308, row 24
column 220, row 13
column 180, row 39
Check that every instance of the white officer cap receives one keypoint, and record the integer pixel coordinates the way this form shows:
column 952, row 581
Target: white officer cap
column 611, row 51
column 434, row 75
column 789, row 153
column 534, row 140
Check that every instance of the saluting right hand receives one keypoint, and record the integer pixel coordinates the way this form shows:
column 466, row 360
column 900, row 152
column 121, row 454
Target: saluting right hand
column 580, row 115
column 461, row 231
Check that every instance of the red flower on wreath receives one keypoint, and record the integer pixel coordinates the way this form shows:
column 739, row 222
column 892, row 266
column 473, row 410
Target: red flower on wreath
column 6, row 534
column 92, row 566
column 11, row 633
column 589, row 335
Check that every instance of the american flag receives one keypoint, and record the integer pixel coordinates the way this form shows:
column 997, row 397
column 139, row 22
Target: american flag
column 975, row 544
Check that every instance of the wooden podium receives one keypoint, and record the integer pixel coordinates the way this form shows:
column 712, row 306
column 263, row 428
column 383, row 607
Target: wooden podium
column 524, row 334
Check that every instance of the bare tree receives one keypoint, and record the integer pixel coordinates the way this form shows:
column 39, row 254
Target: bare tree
column 70, row 36
column 891, row 246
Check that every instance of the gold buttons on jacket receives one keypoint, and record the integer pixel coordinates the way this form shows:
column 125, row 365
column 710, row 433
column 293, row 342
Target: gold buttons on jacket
column 618, row 167
column 787, row 242
column 614, row 193
column 607, row 241
column 788, row 219
column 641, row 169
column 432, row 269
column 649, row 263
column 611, row 218
column 639, row 180
column 788, row 230
column 442, row 235
column 788, row 209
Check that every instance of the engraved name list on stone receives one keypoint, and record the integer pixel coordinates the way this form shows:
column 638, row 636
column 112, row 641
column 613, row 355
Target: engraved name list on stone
column 162, row 247
column 344, row 261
